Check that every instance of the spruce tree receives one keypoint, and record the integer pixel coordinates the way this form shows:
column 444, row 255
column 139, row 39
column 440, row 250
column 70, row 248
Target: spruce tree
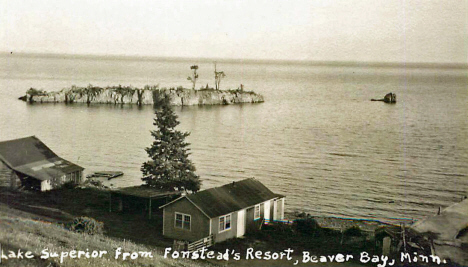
column 169, row 167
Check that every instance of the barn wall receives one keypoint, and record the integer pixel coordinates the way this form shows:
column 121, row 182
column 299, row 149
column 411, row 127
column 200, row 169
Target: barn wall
column 200, row 224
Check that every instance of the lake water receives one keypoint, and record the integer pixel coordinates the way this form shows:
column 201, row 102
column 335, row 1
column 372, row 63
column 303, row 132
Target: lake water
column 317, row 138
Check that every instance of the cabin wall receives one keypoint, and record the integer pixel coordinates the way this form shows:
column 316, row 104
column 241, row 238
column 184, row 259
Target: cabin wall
column 251, row 224
column 200, row 223
column 8, row 177
column 281, row 208
column 29, row 183
column 226, row 234
column 46, row 185
column 277, row 209
column 57, row 182
column 76, row 177
column 268, row 206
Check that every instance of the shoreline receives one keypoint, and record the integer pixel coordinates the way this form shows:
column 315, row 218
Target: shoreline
column 343, row 223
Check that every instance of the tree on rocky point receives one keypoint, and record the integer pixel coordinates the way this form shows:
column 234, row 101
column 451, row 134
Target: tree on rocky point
column 169, row 167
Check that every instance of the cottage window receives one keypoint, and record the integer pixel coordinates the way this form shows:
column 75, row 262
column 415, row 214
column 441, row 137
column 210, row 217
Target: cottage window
column 225, row 222
column 182, row 221
column 257, row 212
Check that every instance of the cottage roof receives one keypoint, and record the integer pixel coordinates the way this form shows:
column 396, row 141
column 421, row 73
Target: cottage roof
column 231, row 197
column 33, row 158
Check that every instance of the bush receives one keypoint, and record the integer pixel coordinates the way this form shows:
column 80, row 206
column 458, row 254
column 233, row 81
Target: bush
column 34, row 91
column 69, row 185
column 305, row 226
column 277, row 227
column 86, row 225
column 353, row 231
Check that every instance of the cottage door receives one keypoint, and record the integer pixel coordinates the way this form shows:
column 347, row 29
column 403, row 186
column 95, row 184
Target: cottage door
column 267, row 211
column 240, row 223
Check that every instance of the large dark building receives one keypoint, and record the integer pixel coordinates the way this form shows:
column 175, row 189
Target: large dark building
column 28, row 163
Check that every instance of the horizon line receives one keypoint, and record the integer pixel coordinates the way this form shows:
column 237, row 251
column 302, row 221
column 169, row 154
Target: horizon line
column 349, row 63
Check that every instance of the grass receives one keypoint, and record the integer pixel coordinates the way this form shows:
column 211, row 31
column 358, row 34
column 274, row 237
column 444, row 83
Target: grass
column 306, row 237
column 34, row 220
column 61, row 206
column 18, row 229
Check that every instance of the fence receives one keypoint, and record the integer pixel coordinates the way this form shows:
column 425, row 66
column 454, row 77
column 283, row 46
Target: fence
column 202, row 243
column 266, row 221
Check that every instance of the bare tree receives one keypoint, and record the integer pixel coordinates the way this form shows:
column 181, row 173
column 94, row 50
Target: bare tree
column 218, row 76
column 194, row 76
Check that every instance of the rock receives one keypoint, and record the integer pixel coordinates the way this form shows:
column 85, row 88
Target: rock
column 147, row 96
column 388, row 98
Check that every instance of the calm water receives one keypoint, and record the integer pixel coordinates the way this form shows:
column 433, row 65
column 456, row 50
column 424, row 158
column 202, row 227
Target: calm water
column 317, row 138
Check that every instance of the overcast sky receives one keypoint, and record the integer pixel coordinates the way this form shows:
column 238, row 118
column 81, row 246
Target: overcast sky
column 346, row 30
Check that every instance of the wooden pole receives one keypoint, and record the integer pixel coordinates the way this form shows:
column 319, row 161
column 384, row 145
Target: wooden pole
column 404, row 237
column 149, row 208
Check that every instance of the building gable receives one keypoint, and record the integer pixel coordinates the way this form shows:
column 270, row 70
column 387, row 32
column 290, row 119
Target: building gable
column 199, row 222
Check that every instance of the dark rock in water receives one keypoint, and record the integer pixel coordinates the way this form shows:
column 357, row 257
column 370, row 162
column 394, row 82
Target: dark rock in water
column 388, row 98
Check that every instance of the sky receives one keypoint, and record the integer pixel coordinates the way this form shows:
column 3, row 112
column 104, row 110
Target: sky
column 315, row 30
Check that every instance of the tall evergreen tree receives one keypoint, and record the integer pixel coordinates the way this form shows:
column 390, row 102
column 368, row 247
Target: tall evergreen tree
column 169, row 167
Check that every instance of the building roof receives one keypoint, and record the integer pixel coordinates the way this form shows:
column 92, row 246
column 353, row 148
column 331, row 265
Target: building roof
column 33, row 158
column 25, row 150
column 231, row 197
column 144, row 192
column 449, row 228
column 448, row 223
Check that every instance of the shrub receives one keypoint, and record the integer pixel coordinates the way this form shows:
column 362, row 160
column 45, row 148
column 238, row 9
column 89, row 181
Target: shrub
column 353, row 231
column 69, row 185
column 277, row 227
column 34, row 91
column 305, row 226
column 86, row 225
